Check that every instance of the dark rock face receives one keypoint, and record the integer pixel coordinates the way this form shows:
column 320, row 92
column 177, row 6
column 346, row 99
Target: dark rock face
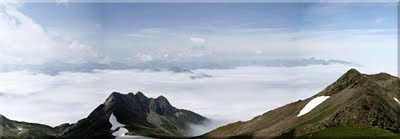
column 133, row 106
column 140, row 115
column 161, row 106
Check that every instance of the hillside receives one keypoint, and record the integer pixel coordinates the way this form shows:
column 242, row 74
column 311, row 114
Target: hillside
column 353, row 100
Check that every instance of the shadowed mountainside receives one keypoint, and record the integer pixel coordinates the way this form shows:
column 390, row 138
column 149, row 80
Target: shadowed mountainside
column 140, row 115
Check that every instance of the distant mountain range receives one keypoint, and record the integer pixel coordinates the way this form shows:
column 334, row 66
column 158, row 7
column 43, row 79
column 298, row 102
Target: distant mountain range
column 173, row 66
column 356, row 105
column 120, row 114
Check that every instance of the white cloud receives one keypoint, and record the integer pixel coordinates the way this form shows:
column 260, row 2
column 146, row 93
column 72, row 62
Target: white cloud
column 64, row 2
column 139, row 36
column 232, row 94
column 105, row 60
column 362, row 46
column 259, row 52
column 143, row 57
column 23, row 41
column 197, row 40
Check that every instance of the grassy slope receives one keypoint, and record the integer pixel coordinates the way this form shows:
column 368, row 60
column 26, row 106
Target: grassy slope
column 248, row 128
column 352, row 91
column 355, row 131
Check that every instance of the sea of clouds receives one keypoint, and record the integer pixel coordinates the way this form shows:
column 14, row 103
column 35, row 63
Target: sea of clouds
column 228, row 95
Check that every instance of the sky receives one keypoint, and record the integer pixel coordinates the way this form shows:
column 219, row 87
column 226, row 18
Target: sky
column 362, row 33
column 101, row 36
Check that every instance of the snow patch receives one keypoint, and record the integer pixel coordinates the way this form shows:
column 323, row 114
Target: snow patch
column 312, row 104
column 19, row 130
column 120, row 132
column 115, row 124
column 396, row 100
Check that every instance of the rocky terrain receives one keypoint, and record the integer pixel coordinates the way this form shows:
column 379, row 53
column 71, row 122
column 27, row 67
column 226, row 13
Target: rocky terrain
column 363, row 105
column 140, row 115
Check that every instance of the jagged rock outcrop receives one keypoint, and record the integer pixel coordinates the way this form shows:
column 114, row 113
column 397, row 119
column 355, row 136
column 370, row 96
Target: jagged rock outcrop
column 139, row 114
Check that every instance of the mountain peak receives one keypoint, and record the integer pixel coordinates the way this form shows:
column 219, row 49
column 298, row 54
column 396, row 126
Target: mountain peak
column 140, row 111
column 354, row 99
column 352, row 76
column 135, row 104
column 161, row 98
column 140, row 94
column 115, row 93
column 349, row 76
column 352, row 71
column 116, row 96
column 112, row 98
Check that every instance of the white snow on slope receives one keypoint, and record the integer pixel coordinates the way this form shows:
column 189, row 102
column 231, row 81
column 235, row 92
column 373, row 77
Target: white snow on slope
column 19, row 130
column 120, row 132
column 312, row 104
column 396, row 100
column 115, row 124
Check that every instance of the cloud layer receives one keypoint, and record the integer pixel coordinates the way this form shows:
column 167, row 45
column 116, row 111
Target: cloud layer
column 230, row 94
column 367, row 41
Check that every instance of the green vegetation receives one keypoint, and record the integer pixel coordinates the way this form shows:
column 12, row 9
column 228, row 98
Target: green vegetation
column 354, row 131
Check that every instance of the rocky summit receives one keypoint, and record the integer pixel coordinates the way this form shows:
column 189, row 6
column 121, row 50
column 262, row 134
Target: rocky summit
column 138, row 114
column 356, row 105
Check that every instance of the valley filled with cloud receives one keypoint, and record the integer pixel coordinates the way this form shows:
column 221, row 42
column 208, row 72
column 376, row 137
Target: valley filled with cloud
column 238, row 62
column 229, row 95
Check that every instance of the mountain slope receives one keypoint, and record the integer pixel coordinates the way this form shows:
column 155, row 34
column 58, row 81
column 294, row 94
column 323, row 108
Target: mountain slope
column 10, row 129
column 135, row 113
column 140, row 115
column 354, row 99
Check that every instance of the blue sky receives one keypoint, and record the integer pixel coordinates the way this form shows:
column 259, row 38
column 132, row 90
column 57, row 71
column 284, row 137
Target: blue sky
column 138, row 16
column 143, row 32
column 120, row 17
